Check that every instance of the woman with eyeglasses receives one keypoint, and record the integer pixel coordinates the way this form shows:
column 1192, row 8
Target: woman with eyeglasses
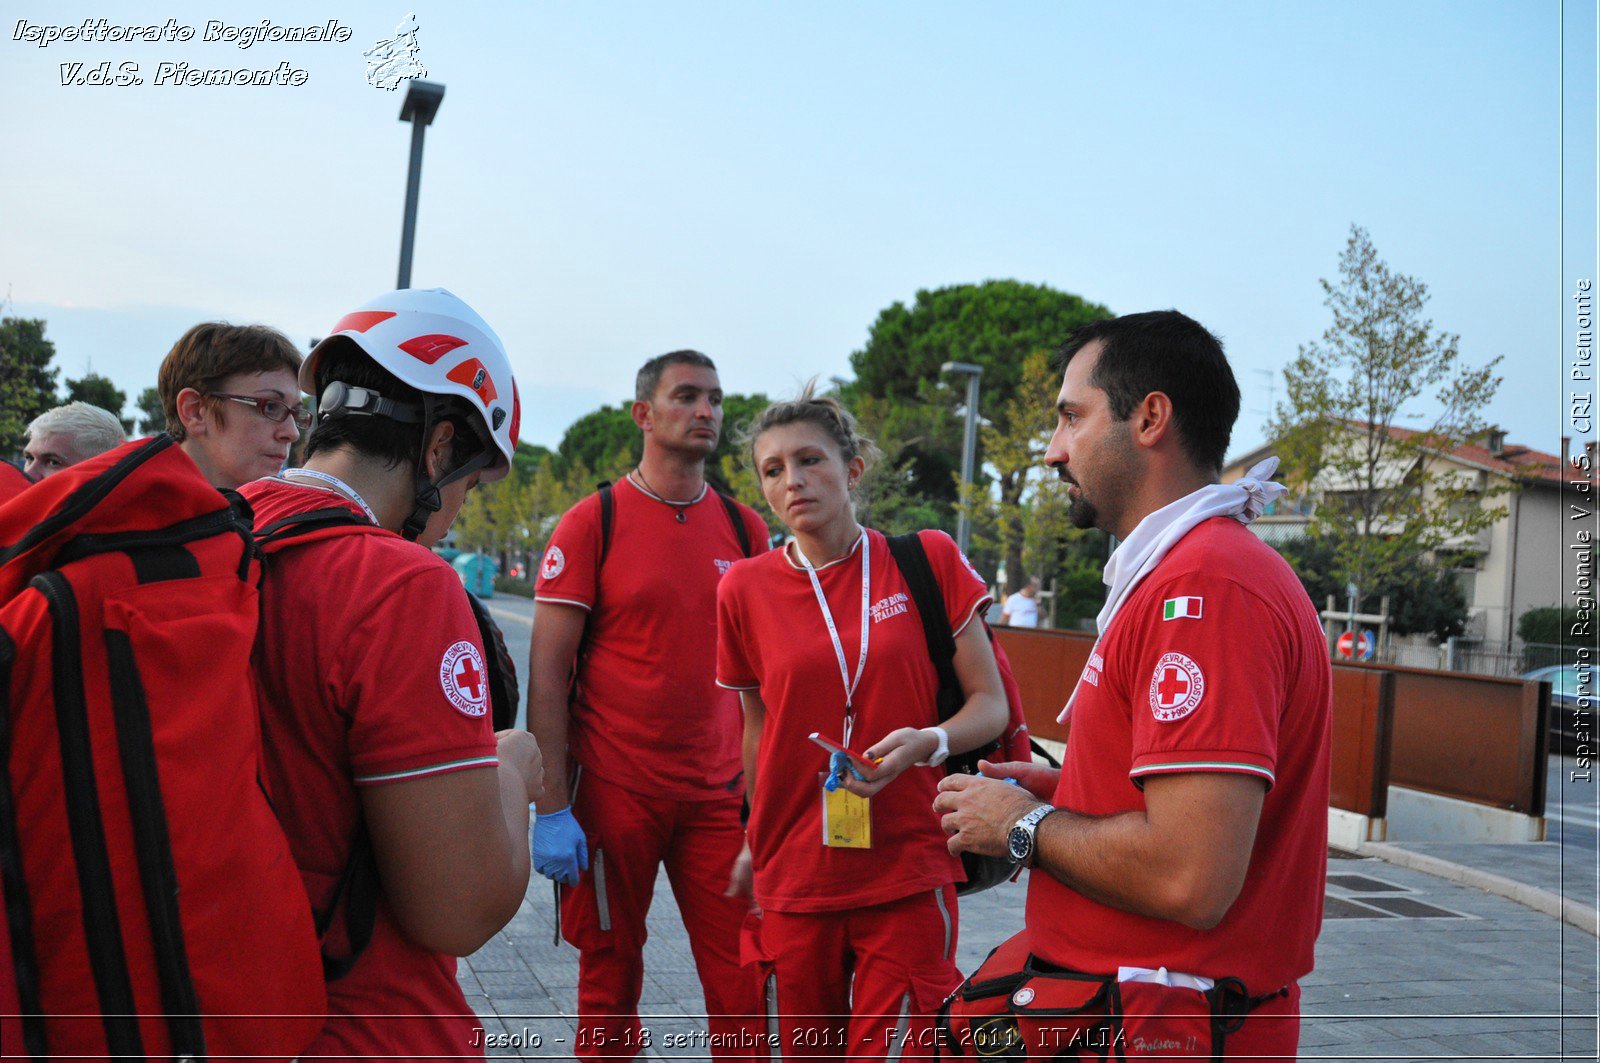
column 232, row 399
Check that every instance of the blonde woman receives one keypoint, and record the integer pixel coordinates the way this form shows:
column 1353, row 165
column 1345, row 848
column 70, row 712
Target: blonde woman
column 850, row 866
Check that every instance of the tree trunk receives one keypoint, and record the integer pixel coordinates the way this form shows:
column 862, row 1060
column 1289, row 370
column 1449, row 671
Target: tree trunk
column 1013, row 538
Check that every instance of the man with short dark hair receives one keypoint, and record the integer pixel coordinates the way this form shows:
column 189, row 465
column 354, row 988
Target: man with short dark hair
column 1184, row 845
column 376, row 723
column 629, row 614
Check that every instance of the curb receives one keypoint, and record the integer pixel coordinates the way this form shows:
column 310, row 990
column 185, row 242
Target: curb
column 1540, row 900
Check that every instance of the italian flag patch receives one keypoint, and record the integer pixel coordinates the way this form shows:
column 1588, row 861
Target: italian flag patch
column 1181, row 609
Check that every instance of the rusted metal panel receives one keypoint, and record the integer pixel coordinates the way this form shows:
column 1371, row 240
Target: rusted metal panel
column 1471, row 737
column 1363, row 718
column 1046, row 664
column 1476, row 738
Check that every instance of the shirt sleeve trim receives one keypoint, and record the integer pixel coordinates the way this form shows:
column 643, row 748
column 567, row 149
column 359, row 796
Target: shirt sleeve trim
column 585, row 606
column 431, row 769
column 978, row 607
column 1173, row 767
column 730, row 686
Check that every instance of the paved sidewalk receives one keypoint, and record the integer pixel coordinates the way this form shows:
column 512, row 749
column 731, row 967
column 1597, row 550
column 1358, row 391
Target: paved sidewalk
column 1564, row 870
column 1556, row 880
column 1409, row 966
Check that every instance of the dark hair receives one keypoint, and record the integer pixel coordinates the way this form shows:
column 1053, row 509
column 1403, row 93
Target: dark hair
column 1169, row 352
column 210, row 353
column 649, row 378
column 392, row 442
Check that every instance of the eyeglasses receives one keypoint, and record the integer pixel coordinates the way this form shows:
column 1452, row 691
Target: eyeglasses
column 271, row 409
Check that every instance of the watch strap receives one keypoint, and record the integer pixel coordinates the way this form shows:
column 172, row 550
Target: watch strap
column 1028, row 825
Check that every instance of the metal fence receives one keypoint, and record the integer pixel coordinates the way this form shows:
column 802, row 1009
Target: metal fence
column 1463, row 655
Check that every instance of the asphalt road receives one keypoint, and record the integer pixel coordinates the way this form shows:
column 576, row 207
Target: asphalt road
column 1572, row 803
column 514, row 614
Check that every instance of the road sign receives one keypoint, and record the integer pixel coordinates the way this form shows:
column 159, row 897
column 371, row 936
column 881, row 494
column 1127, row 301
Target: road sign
column 1356, row 644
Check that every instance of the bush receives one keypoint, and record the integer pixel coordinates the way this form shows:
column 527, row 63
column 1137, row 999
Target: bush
column 1550, row 624
column 507, row 585
column 1080, row 591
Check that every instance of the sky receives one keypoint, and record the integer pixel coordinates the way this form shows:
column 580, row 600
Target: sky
column 607, row 181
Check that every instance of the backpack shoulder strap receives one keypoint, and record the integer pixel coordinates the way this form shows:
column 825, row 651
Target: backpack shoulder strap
column 297, row 526
column 739, row 527
column 608, row 508
column 912, row 560
column 504, row 696
column 357, row 889
column 357, row 892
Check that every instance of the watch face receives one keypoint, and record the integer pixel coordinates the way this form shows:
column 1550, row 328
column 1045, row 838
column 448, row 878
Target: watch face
column 1020, row 844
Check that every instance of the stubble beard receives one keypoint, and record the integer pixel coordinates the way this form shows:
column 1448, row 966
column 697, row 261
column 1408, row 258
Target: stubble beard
column 693, row 448
column 1082, row 514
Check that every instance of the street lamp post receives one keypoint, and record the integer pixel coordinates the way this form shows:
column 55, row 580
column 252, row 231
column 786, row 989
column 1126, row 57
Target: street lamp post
column 422, row 103
column 969, row 449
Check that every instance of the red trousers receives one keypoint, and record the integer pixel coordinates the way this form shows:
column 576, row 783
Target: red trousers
column 631, row 836
column 863, row 983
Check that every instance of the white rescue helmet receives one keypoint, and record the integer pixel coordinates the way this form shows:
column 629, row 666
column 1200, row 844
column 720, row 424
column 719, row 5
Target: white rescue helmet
column 439, row 345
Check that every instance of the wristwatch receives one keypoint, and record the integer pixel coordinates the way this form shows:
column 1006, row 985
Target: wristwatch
column 1019, row 842
column 939, row 755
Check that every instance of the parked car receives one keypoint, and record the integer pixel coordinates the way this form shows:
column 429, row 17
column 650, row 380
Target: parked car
column 1565, row 720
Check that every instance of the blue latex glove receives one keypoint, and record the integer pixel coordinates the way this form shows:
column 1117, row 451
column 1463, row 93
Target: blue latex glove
column 838, row 764
column 559, row 849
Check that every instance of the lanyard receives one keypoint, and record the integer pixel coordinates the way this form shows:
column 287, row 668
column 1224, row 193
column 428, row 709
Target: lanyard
column 338, row 485
column 850, row 685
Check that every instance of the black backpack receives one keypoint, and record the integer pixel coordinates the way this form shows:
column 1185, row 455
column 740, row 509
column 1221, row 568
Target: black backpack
column 983, row 872
column 608, row 508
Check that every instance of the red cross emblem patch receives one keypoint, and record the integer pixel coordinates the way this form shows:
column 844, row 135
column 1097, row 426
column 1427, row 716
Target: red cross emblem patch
column 554, row 562
column 464, row 680
column 1176, row 687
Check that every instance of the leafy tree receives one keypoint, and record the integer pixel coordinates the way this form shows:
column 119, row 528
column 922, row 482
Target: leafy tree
column 1028, row 527
column 99, row 391
column 600, row 441
column 513, row 517
column 1384, row 502
column 995, row 324
column 1423, row 599
column 912, row 483
column 738, row 412
column 1079, row 582
column 27, row 383
column 152, row 417
column 1427, row 601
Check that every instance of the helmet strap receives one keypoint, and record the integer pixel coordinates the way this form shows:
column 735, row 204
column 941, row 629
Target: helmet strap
column 427, row 500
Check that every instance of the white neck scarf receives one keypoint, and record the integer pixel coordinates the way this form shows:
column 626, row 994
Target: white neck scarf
column 1137, row 556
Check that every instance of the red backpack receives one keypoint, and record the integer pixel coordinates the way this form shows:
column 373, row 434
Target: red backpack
column 152, row 904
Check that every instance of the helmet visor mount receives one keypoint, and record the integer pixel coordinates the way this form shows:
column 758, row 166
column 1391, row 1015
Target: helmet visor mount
column 340, row 399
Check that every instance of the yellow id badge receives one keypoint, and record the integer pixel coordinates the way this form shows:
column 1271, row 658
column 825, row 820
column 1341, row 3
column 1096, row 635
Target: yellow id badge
column 846, row 819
